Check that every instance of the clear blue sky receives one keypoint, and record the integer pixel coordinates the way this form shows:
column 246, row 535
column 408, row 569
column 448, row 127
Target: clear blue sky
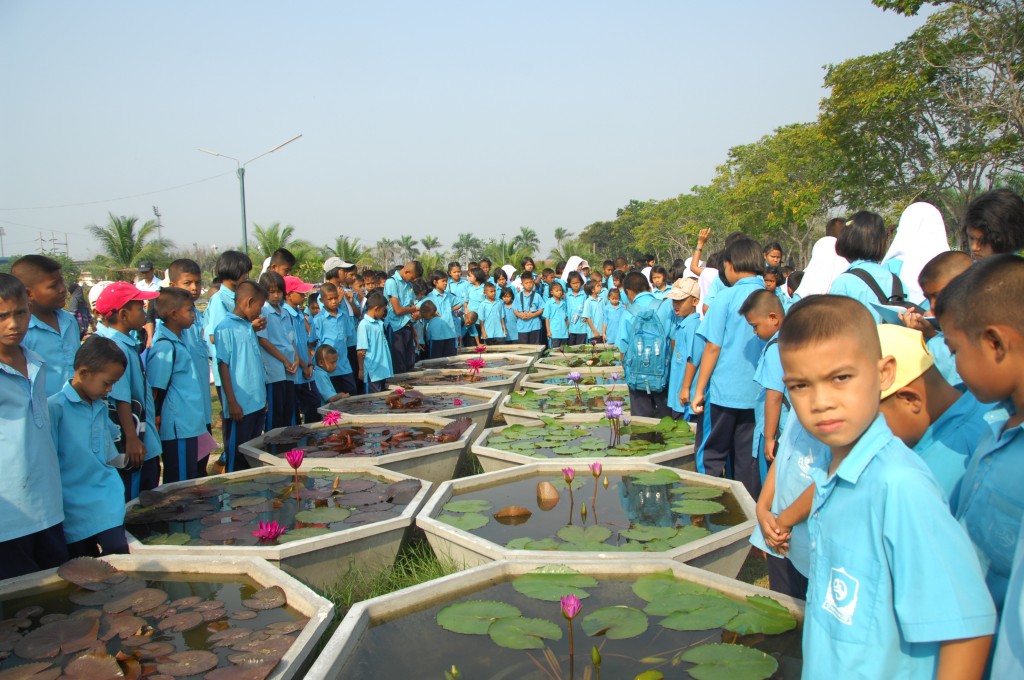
column 418, row 118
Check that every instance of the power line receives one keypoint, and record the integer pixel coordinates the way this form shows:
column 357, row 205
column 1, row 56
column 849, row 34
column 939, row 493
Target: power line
column 123, row 198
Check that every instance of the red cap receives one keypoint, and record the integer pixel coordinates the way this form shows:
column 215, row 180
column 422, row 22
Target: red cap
column 118, row 294
column 293, row 284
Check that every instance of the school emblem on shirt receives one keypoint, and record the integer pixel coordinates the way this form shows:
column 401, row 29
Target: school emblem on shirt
column 841, row 597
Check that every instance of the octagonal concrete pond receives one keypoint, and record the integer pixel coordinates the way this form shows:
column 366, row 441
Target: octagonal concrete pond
column 494, row 379
column 477, row 404
column 510, row 348
column 594, row 398
column 557, row 376
column 505, row 361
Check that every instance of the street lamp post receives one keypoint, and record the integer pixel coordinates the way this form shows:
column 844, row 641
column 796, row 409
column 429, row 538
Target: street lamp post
column 241, row 182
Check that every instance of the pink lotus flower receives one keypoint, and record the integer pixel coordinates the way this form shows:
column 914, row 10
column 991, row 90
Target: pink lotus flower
column 595, row 469
column 332, row 418
column 475, row 365
column 480, row 349
column 571, row 606
column 399, row 391
column 268, row 532
column 568, row 474
column 294, row 457
column 457, row 402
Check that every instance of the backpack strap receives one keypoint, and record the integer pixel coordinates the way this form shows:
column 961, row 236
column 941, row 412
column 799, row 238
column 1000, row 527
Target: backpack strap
column 159, row 406
column 897, row 289
column 883, row 299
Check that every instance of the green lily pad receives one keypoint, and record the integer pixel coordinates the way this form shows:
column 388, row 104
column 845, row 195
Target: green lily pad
column 475, row 616
column 699, row 492
column 700, row 619
column 552, row 587
column 690, row 602
column 578, row 482
column 652, row 587
column 729, row 662
column 615, row 623
column 566, row 450
column 651, row 674
column 697, row 507
column 467, row 522
column 468, row 505
column 523, row 633
column 495, row 440
column 645, row 533
column 304, row 532
column 592, row 444
column 522, row 446
column 762, row 615
column 163, row 539
column 658, row 477
column 527, row 543
column 575, row 534
column 687, row 534
column 323, row 515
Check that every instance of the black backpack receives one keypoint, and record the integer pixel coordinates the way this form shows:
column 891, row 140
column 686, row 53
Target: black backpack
column 898, row 297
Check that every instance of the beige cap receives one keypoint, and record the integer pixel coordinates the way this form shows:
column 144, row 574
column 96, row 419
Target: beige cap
column 912, row 356
column 683, row 288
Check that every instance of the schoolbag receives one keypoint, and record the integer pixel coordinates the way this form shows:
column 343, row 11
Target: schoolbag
column 647, row 355
column 898, row 297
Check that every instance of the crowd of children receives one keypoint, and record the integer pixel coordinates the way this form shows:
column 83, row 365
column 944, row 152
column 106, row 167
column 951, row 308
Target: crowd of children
column 872, row 406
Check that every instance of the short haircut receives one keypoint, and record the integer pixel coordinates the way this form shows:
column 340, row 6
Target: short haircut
column 453, row 265
column 98, row 352
column 999, row 216
column 272, row 280
column 618, row 275
column 420, row 288
column 621, row 263
column 417, row 268
column 485, row 259
column 472, row 264
column 635, row 282
column 762, row 302
column 987, row 294
column 595, row 275
column 232, row 265
column 490, row 285
column 438, row 275
column 171, row 300
column 500, row 274
column 31, row 268
column 820, row 318
column 863, row 238
column 479, row 276
column 250, row 289
column 547, row 270
column 471, row 317
column 744, row 254
column 573, row 276
column 11, row 288
column 323, row 352
column 183, row 266
column 428, row 307
column 589, row 287
column 328, row 288
column 834, row 227
column 526, row 276
column 795, row 279
column 774, row 271
column 774, row 245
column 282, row 256
column 374, row 300
column 615, row 292
column 313, row 298
column 944, row 267
column 607, row 263
column 733, row 237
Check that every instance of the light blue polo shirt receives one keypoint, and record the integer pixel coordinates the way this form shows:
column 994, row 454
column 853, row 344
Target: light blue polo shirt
column 170, row 367
column 395, row 287
column 682, row 336
column 330, row 330
column 944, row 359
column 892, row 575
column 133, row 386
column 199, row 348
column 439, row 329
column 460, row 291
column 948, row 443
column 474, row 296
column 850, row 286
column 444, row 303
column 302, row 338
column 511, row 321
column 323, row 384
column 281, row 334
column 238, row 348
column 574, row 307
column 528, row 303
column 30, row 493
column 221, row 304
column 377, row 362
column 58, row 349
column 612, row 320
column 93, row 493
column 768, row 376
column 1008, row 660
column 593, row 310
column 349, row 313
column 989, row 502
column 642, row 301
column 732, row 381
column 491, row 314
column 557, row 314
column 659, row 293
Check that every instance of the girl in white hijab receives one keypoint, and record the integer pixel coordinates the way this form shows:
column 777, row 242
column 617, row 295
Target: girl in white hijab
column 822, row 270
column 920, row 236
column 572, row 265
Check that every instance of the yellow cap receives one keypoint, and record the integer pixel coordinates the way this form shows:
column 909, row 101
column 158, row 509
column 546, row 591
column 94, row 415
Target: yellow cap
column 912, row 356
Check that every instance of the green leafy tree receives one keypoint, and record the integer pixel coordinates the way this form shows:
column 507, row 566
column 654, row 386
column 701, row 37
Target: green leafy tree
column 430, row 243
column 273, row 237
column 124, row 244
column 386, row 253
column 561, row 235
column 407, row 247
column 526, row 240
column 349, row 250
column 467, row 247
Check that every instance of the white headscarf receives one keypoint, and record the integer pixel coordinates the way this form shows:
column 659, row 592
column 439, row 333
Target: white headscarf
column 573, row 264
column 646, row 271
column 920, row 236
column 266, row 266
column 510, row 271
column 823, row 268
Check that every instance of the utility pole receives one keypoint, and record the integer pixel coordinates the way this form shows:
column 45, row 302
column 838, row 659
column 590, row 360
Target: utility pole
column 159, row 224
column 40, row 242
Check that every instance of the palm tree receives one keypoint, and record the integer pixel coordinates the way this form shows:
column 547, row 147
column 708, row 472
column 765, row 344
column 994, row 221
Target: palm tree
column 526, row 240
column 466, row 247
column 407, row 246
column 123, row 247
column 562, row 234
column 429, row 243
column 385, row 253
column 567, row 249
column 274, row 237
column 347, row 249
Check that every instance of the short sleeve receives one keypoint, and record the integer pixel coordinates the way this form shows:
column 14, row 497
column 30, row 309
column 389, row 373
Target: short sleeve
column 265, row 315
column 160, row 364
column 769, row 371
column 391, row 290
column 362, row 340
column 122, row 389
column 716, row 321
column 225, row 345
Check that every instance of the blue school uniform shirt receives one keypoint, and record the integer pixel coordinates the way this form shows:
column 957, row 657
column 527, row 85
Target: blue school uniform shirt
column 593, row 310
column 330, row 330
column 474, row 296
column 58, row 348
column 732, row 381
column 696, row 355
column 612, row 320
column 198, row 348
column 880, row 600
column 528, row 303
column 221, row 304
column 439, row 329
column 574, row 306
column 133, row 385
column 491, row 315
column 30, row 491
column 989, row 502
column 558, row 318
column 768, row 376
column 1008, row 659
column 302, row 338
column 350, row 315
column 238, row 347
column 948, row 443
column 281, row 334
column 850, row 286
column 663, row 311
column 395, row 287
column 682, row 336
column 945, row 362
column 169, row 367
column 659, row 293
column 377, row 362
column 511, row 321
column 459, row 290
column 324, row 386
column 444, row 303
column 92, row 491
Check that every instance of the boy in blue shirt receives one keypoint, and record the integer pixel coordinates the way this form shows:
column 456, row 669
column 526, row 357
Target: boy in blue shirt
column 684, row 296
column 593, row 312
column 894, row 589
column 401, row 311
column 187, row 275
column 93, row 495
column 492, row 317
column 232, row 268
column 374, row 357
column 326, row 358
column 120, row 305
column 242, row 376
column 329, row 327
column 440, row 336
column 508, row 314
column 171, row 372
column 643, row 400
column 31, row 533
column 556, row 317
column 981, row 314
column 528, row 307
column 763, row 311
column 52, row 332
column 280, row 358
column 306, row 400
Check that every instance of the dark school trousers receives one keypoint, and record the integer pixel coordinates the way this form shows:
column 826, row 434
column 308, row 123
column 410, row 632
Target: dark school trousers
column 239, row 432
column 375, row 386
column 353, row 361
column 144, row 479
column 344, row 383
column 403, row 349
column 531, row 337
column 439, row 349
column 280, row 404
column 557, row 342
column 577, row 338
column 180, row 459
column 307, row 401
column 784, row 578
column 44, row 549
column 650, row 405
column 111, row 541
column 730, row 442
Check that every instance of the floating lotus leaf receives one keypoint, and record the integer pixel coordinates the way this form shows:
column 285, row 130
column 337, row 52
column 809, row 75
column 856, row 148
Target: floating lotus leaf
column 323, row 515
column 592, row 444
column 552, row 587
column 699, row 492
column 475, row 616
column 60, row 637
column 231, row 636
column 268, row 598
column 659, row 477
column 94, row 666
column 31, row 671
column 179, row 623
column 523, row 633
column 287, row 627
column 58, row 616
column 120, row 626
column 356, row 485
column 579, row 535
column 30, row 612
column 697, row 507
column 467, row 505
column 361, row 518
column 729, row 662
column 363, row 498
column 90, row 573
column 699, row 619
column 762, row 615
column 257, row 672
column 527, row 543
column 578, row 482
column 673, row 603
column 185, row 602
column 402, row 493
column 184, row 664
column 8, row 638
column 208, row 604
column 165, row 539
column 615, row 623
column 686, row 534
column 652, row 587
column 242, row 615
column 247, row 501
column 304, row 532
column 467, row 522
column 225, row 532
column 140, row 601
column 270, row 648
column 646, row 533
column 566, row 450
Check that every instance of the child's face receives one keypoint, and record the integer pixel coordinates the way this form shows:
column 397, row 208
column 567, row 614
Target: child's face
column 597, row 289
column 14, row 318
column 455, row 273
column 608, row 269
column 295, row 299
column 490, row 293
column 357, row 286
column 979, row 245
column 441, row 285
column 765, row 325
column 314, row 306
column 613, row 297
column 527, row 286
column 486, row 266
column 49, row 292
column 549, row 277
column 773, row 258
column 329, row 362
column 575, row 284
column 834, row 387
column 378, row 312
column 507, row 298
column 529, row 266
column 284, row 269
column 658, row 279
column 985, row 364
column 96, row 385
column 932, row 289
column 184, row 317
column 770, row 282
column 191, row 282
column 906, row 415
column 330, row 301
column 684, row 308
column 557, row 292
column 133, row 315
column 250, row 307
column 275, row 296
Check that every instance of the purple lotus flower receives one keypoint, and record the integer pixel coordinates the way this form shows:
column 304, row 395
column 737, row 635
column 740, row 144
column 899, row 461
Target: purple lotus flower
column 571, row 606
column 595, row 469
column 613, row 410
column 575, row 377
column 268, row 532
column 568, row 474
column 613, row 377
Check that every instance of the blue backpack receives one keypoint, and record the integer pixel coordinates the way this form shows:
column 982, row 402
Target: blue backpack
column 647, row 357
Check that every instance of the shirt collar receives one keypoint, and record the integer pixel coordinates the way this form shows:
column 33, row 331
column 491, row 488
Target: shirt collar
column 162, row 331
column 997, row 417
column 114, row 334
column 71, row 393
column 33, row 362
column 864, row 451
